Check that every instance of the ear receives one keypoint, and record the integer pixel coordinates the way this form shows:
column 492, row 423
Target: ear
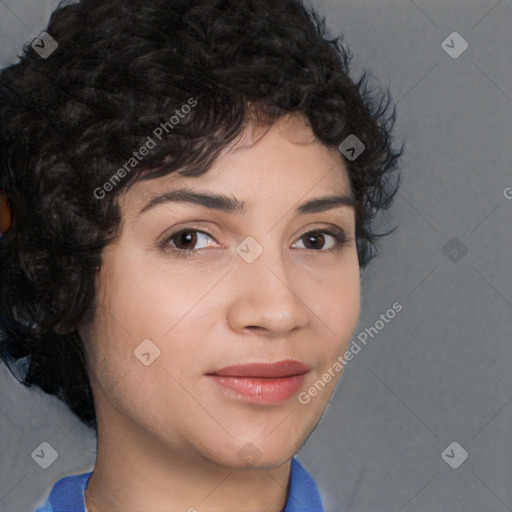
column 6, row 213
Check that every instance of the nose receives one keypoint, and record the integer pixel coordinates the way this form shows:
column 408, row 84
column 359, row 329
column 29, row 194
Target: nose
column 266, row 296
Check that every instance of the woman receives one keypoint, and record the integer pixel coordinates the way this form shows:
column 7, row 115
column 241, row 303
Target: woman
column 189, row 188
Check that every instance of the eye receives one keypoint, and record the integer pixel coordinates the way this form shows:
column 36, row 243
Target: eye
column 317, row 238
column 184, row 241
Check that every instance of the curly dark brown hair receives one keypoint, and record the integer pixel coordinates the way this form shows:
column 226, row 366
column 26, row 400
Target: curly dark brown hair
column 123, row 67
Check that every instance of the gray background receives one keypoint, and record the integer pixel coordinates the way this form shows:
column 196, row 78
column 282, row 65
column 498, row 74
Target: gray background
column 438, row 372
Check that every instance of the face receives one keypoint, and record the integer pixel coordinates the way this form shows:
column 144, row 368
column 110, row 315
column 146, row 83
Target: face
column 188, row 290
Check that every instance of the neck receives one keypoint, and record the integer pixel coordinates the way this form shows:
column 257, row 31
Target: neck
column 135, row 472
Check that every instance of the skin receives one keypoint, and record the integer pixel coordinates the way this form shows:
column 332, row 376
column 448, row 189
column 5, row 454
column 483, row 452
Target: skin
column 169, row 438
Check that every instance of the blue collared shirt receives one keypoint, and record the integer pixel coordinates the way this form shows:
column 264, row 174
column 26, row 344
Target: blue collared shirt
column 67, row 495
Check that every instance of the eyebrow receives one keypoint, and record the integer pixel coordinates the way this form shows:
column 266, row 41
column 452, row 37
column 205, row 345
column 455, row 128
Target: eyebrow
column 232, row 205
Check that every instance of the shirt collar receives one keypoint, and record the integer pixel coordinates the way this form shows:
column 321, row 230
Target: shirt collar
column 68, row 494
column 304, row 495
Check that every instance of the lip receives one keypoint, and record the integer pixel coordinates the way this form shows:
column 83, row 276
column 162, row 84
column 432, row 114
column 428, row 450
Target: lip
column 279, row 369
column 264, row 383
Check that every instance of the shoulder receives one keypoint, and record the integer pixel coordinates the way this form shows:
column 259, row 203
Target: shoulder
column 67, row 495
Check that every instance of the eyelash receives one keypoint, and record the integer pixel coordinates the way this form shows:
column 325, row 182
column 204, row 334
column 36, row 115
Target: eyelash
column 339, row 236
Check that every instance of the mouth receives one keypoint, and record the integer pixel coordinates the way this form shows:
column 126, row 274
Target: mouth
column 264, row 383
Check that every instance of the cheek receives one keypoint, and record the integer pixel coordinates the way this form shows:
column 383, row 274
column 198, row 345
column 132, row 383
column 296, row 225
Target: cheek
column 144, row 299
column 145, row 310
column 156, row 296
column 338, row 316
column 338, row 308
column 136, row 371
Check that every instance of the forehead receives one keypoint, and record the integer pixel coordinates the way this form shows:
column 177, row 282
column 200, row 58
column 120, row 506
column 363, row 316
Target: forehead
column 265, row 162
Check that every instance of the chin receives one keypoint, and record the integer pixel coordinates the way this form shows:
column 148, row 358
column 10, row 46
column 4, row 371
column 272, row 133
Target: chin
column 259, row 452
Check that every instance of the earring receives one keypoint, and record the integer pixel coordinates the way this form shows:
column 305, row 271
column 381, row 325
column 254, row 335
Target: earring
column 6, row 213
